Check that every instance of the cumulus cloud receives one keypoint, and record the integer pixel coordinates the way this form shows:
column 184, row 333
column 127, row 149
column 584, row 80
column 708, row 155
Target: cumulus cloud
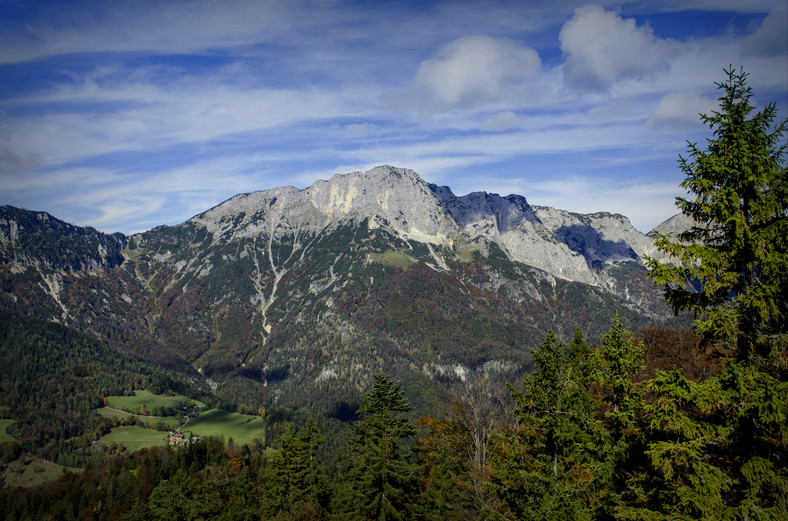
column 680, row 110
column 602, row 48
column 472, row 70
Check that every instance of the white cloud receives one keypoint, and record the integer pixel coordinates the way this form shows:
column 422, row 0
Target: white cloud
column 361, row 128
column 14, row 162
column 102, row 117
column 125, row 209
column 601, row 48
column 139, row 25
column 473, row 70
column 681, row 110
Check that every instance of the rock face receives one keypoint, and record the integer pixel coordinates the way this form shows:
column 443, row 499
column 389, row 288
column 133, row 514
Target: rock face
column 395, row 198
column 298, row 297
column 563, row 244
column 38, row 239
column 675, row 225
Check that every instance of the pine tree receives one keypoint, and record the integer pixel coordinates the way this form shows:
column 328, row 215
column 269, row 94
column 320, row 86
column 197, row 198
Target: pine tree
column 732, row 265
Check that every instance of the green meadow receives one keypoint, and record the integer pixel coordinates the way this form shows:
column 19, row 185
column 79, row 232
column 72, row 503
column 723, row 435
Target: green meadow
column 134, row 437
column 242, row 428
column 150, row 400
column 4, row 436
column 109, row 412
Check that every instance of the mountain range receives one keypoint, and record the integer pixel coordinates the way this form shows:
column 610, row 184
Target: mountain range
column 289, row 297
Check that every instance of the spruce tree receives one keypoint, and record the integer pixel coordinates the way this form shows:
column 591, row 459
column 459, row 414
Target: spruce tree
column 378, row 478
column 679, row 480
column 719, row 446
column 294, row 476
column 731, row 267
column 551, row 467
column 619, row 362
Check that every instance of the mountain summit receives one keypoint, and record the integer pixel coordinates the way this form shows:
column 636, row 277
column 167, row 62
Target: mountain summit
column 298, row 297
column 563, row 244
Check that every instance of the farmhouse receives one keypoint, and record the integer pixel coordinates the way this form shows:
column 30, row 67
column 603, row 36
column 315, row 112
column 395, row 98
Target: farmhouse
column 177, row 438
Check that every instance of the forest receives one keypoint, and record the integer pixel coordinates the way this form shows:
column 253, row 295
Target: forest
column 656, row 424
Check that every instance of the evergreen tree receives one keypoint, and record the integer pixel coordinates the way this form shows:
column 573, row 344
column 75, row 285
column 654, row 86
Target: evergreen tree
column 752, row 413
column 620, row 360
column 678, row 480
column 294, row 476
column 379, row 480
column 552, row 467
column 732, row 265
column 717, row 448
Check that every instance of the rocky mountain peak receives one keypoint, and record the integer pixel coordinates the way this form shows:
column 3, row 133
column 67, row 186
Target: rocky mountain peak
column 675, row 225
column 393, row 197
column 396, row 198
column 568, row 245
column 39, row 239
column 293, row 295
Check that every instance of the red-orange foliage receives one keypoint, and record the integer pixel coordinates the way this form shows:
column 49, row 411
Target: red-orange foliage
column 665, row 349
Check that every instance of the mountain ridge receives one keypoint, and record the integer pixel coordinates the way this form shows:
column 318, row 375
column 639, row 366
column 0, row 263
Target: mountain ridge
column 511, row 220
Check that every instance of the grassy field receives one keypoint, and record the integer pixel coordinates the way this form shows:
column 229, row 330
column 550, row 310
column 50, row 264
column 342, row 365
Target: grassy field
column 109, row 412
column 147, row 398
column 134, row 437
column 242, row 428
column 4, row 436
column 31, row 472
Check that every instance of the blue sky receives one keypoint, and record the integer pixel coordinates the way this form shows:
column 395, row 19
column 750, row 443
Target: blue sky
column 129, row 114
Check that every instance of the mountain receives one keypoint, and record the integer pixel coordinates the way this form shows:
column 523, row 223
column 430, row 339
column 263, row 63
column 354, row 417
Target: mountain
column 675, row 225
column 297, row 297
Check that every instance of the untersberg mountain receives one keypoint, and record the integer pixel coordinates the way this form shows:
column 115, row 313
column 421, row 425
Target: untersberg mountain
column 298, row 297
